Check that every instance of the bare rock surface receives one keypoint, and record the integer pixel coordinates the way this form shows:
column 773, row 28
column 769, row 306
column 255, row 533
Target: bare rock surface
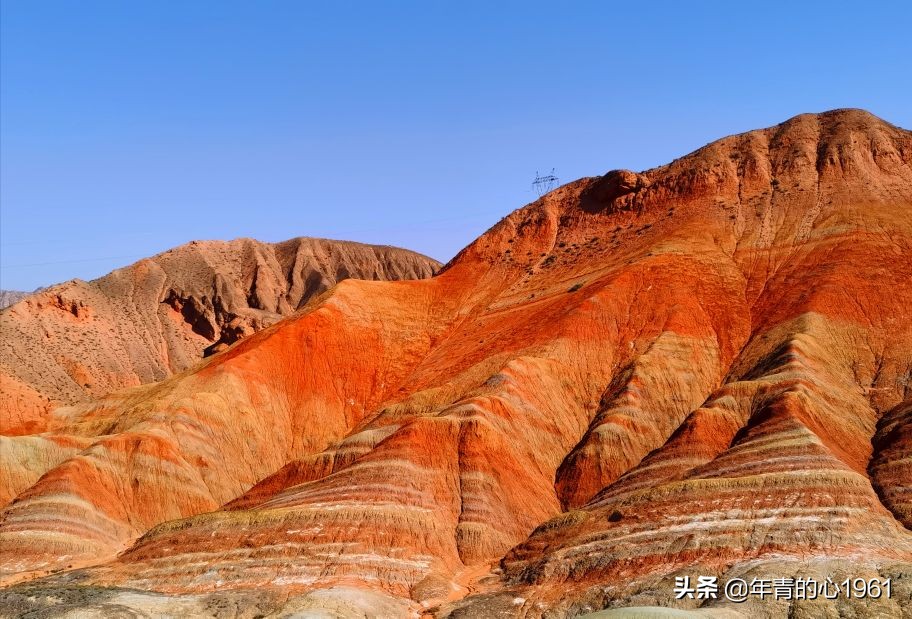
column 80, row 340
column 702, row 368
column 8, row 297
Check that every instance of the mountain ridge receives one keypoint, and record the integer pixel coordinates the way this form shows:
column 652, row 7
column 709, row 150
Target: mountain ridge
column 82, row 339
column 690, row 370
column 8, row 297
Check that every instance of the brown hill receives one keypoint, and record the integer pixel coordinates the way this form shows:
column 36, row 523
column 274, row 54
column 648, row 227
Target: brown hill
column 79, row 340
column 700, row 369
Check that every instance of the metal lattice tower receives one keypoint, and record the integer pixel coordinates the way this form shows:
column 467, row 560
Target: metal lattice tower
column 544, row 184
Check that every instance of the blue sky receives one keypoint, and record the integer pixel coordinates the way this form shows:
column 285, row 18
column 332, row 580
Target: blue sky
column 131, row 127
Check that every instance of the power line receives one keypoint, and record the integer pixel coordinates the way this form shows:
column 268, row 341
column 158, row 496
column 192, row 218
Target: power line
column 42, row 264
column 544, row 183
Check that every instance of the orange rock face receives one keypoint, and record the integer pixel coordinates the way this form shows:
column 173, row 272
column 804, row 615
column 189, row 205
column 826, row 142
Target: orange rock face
column 699, row 369
column 80, row 340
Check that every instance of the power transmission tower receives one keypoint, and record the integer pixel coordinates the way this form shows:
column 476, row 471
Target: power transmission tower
column 544, row 184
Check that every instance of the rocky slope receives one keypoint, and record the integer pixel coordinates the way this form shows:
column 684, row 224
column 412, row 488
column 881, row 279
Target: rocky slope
column 699, row 369
column 79, row 340
column 8, row 297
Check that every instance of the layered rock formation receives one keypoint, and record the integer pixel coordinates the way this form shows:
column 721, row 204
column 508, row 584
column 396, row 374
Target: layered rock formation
column 80, row 340
column 700, row 369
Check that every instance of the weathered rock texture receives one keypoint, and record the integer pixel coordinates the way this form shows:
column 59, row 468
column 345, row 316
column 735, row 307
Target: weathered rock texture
column 8, row 297
column 142, row 323
column 700, row 369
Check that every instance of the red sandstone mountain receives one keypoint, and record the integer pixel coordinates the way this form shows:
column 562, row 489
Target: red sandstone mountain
column 80, row 340
column 700, row 369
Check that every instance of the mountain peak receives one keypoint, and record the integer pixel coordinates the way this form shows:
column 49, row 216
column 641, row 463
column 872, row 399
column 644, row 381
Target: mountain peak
column 703, row 368
column 167, row 312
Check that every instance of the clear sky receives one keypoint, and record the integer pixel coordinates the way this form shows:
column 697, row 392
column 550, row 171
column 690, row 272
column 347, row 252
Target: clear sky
column 131, row 127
